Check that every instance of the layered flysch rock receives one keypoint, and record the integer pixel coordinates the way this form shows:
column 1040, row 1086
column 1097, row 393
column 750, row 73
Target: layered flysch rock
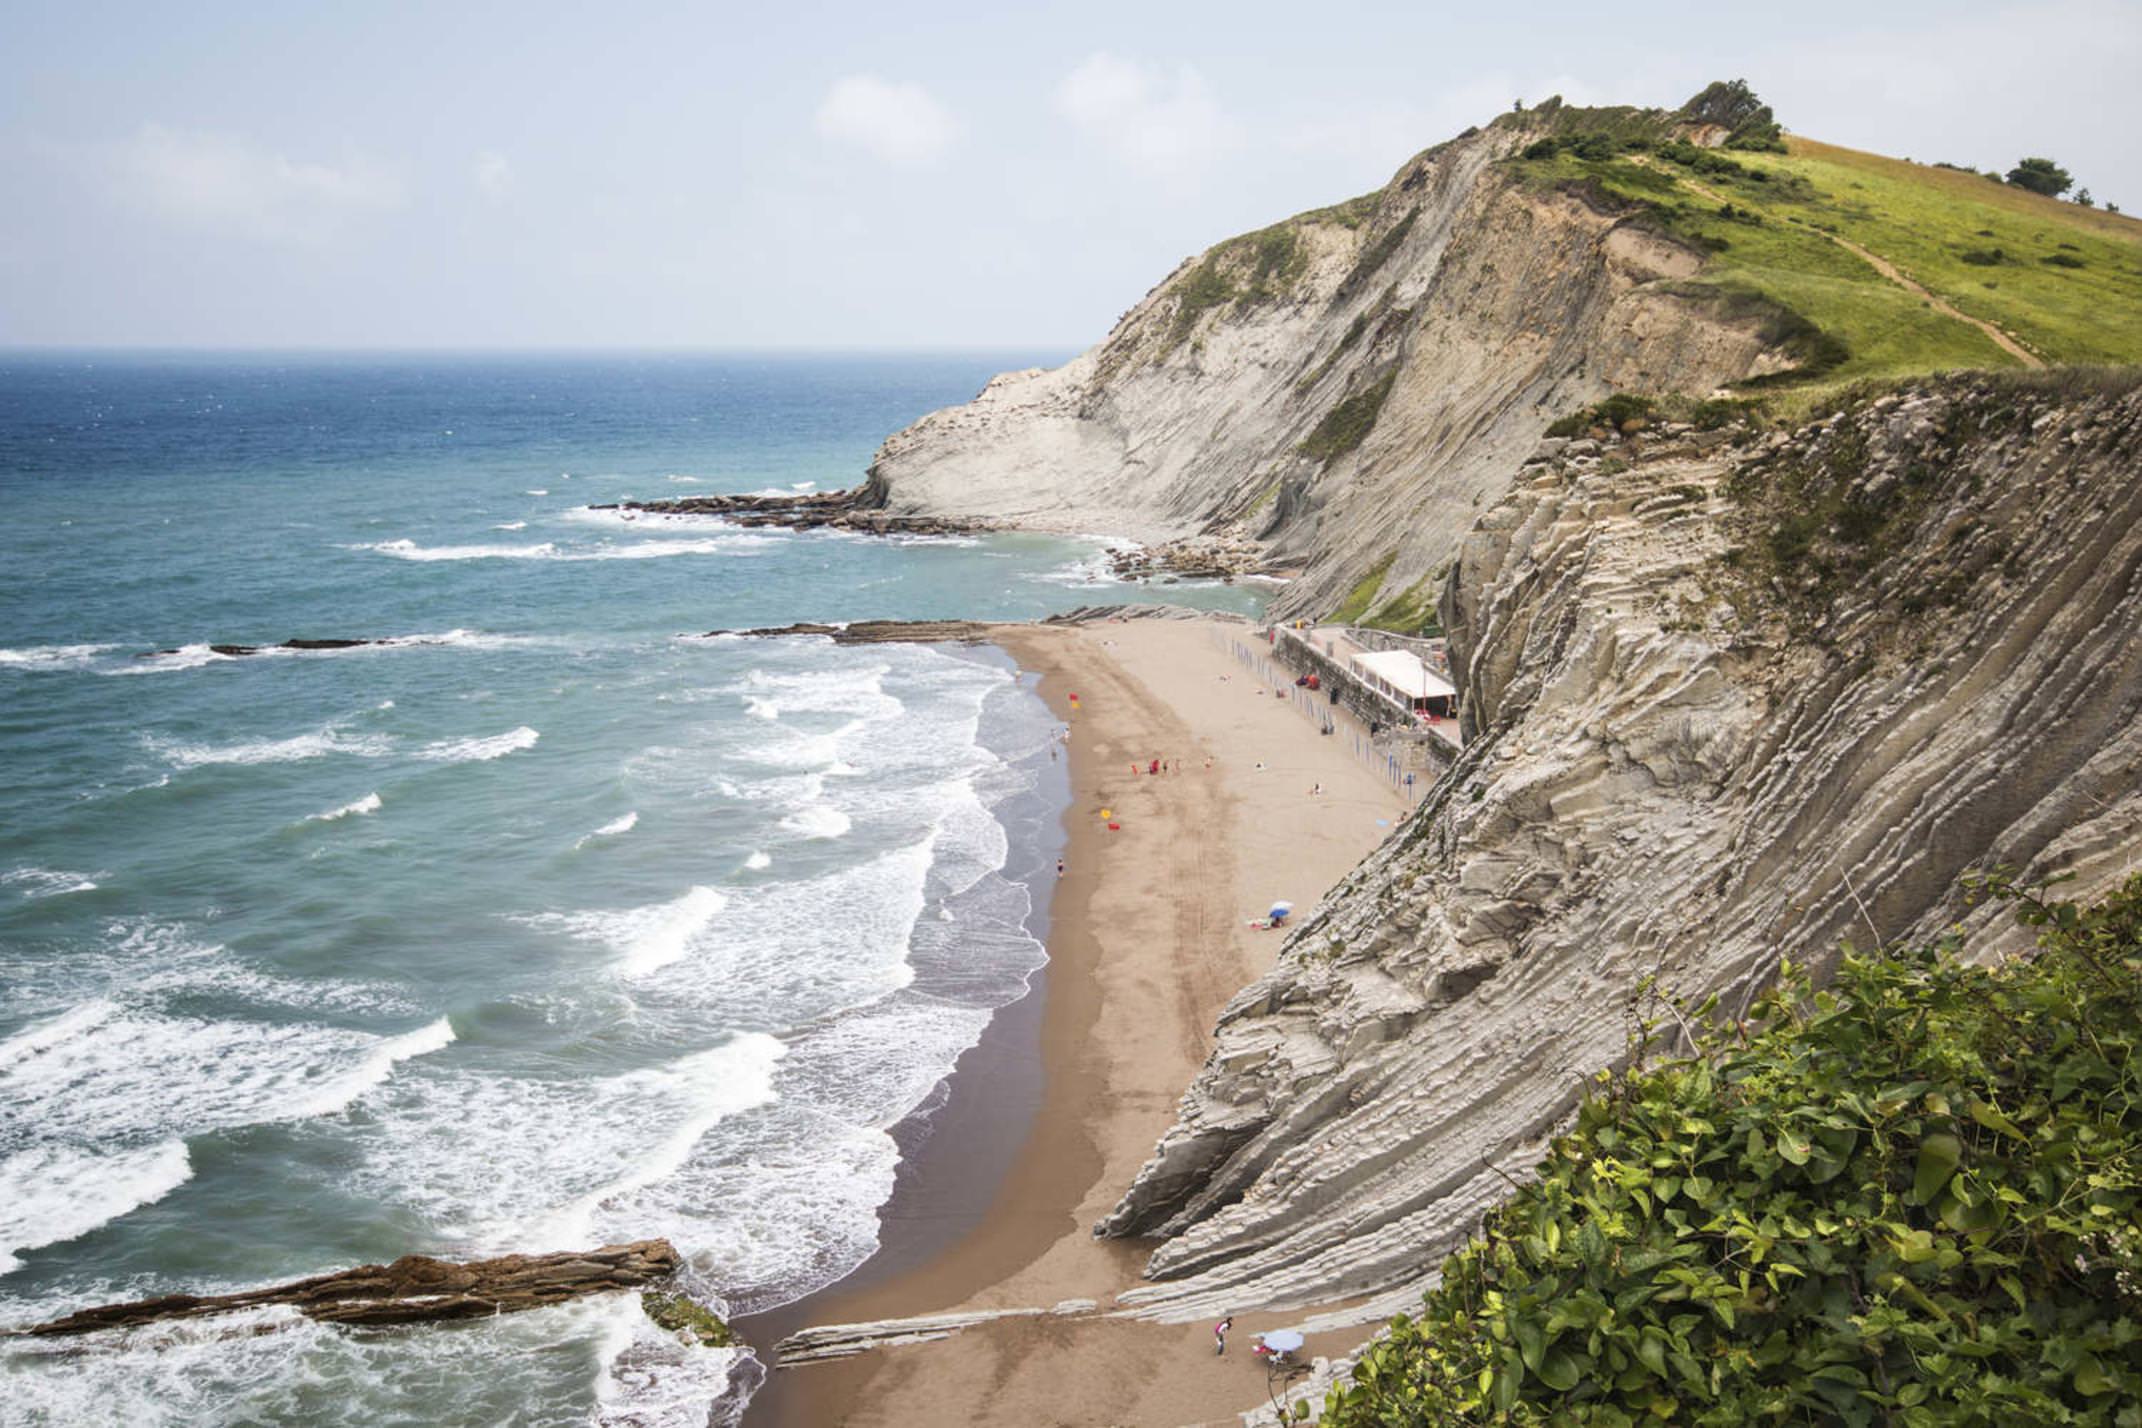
column 1724, row 704
column 1402, row 352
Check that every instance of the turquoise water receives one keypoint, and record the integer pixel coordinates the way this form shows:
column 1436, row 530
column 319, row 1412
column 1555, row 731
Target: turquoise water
column 547, row 923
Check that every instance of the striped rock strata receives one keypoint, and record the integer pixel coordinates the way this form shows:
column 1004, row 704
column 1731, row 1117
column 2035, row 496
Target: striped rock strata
column 1467, row 308
column 1724, row 705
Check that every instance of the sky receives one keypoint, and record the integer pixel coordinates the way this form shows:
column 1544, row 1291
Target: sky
column 904, row 175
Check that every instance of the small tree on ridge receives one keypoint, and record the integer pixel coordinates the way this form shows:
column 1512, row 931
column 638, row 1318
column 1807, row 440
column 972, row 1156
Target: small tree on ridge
column 2041, row 176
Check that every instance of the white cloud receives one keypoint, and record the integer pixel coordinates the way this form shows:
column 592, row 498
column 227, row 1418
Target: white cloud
column 227, row 184
column 897, row 122
column 492, row 174
column 1147, row 116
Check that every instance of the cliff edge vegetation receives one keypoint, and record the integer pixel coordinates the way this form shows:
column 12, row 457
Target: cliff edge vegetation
column 1347, row 390
column 1909, row 1199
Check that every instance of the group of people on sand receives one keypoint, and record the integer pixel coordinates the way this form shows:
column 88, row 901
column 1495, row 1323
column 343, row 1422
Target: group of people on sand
column 1161, row 766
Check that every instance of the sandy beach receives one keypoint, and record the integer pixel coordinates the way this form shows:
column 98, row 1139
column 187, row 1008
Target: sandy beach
column 1149, row 936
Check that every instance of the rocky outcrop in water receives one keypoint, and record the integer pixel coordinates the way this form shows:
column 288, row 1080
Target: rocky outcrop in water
column 1191, row 558
column 860, row 509
column 1349, row 388
column 238, row 651
column 874, row 632
column 414, row 1289
column 1723, row 704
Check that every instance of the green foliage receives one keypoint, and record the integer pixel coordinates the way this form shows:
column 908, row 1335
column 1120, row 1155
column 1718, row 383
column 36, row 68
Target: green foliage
column 1624, row 123
column 1709, row 161
column 1624, row 413
column 1346, row 425
column 2063, row 260
column 1410, row 612
column 1357, row 600
column 1376, row 255
column 1733, row 106
column 1911, row 1199
column 1712, row 413
column 1846, row 321
column 2041, row 176
column 685, row 1316
column 1206, row 288
column 1276, row 259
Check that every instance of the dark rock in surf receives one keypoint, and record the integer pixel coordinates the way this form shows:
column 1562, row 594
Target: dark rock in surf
column 414, row 1289
column 859, row 509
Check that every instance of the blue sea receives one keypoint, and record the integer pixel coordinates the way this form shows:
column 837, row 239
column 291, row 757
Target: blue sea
column 549, row 921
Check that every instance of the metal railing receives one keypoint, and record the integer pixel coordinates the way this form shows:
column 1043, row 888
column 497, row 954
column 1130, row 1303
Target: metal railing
column 1315, row 706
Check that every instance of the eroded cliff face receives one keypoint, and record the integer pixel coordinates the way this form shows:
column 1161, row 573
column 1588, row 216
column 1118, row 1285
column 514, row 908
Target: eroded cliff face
column 1402, row 352
column 1729, row 698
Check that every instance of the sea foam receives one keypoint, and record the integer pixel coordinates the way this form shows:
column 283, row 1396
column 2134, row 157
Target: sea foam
column 653, row 549
column 646, row 939
column 368, row 804
column 318, row 744
column 49, row 882
column 51, row 657
column 612, row 829
column 494, row 746
column 50, row 1194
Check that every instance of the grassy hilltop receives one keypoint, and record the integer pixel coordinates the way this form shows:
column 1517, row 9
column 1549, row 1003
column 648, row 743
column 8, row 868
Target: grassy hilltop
column 2062, row 281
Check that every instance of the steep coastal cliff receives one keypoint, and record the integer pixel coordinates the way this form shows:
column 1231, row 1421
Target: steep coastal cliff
column 1763, row 635
column 1401, row 352
column 1724, row 702
column 1344, row 392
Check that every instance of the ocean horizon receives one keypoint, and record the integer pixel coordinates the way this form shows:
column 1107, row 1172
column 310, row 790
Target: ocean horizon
column 543, row 920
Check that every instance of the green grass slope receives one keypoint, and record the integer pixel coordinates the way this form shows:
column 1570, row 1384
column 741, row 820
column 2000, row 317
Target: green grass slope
column 2062, row 280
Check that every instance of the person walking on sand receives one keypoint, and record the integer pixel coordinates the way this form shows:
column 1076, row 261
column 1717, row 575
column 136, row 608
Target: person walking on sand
column 1059, row 867
column 1219, row 1334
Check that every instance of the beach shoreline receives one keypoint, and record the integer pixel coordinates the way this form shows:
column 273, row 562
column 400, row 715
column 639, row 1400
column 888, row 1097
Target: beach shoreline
column 1148, row 936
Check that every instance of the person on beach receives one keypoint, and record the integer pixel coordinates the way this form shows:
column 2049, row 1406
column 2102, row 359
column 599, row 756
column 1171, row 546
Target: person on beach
column 1219, row 1334
column 1153, row 767
column 1059, row 867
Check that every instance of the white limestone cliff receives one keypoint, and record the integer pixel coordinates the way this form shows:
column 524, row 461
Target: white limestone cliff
column 1466, row 307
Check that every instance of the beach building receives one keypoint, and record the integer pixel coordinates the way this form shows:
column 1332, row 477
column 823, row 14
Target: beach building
column 1397, row 687
column 1403, row 678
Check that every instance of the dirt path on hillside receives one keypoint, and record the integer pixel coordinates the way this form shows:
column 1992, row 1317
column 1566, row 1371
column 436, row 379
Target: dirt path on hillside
column 1891, row 272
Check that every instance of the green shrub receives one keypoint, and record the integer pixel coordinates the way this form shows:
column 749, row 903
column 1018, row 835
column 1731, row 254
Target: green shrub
column 1346, row 425
column 1733, row 106
column 1714, row 412
column 1911, row 1199
column 2062, row 260
column 685, row 1316
column 1206, row 288
column 1623, row 412
column 2041, row 176
column 1983, row 257
column 1358, row 599
column 1376, row 255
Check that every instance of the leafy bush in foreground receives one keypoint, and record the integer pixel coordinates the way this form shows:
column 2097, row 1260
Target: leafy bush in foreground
column 1910, row 1199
